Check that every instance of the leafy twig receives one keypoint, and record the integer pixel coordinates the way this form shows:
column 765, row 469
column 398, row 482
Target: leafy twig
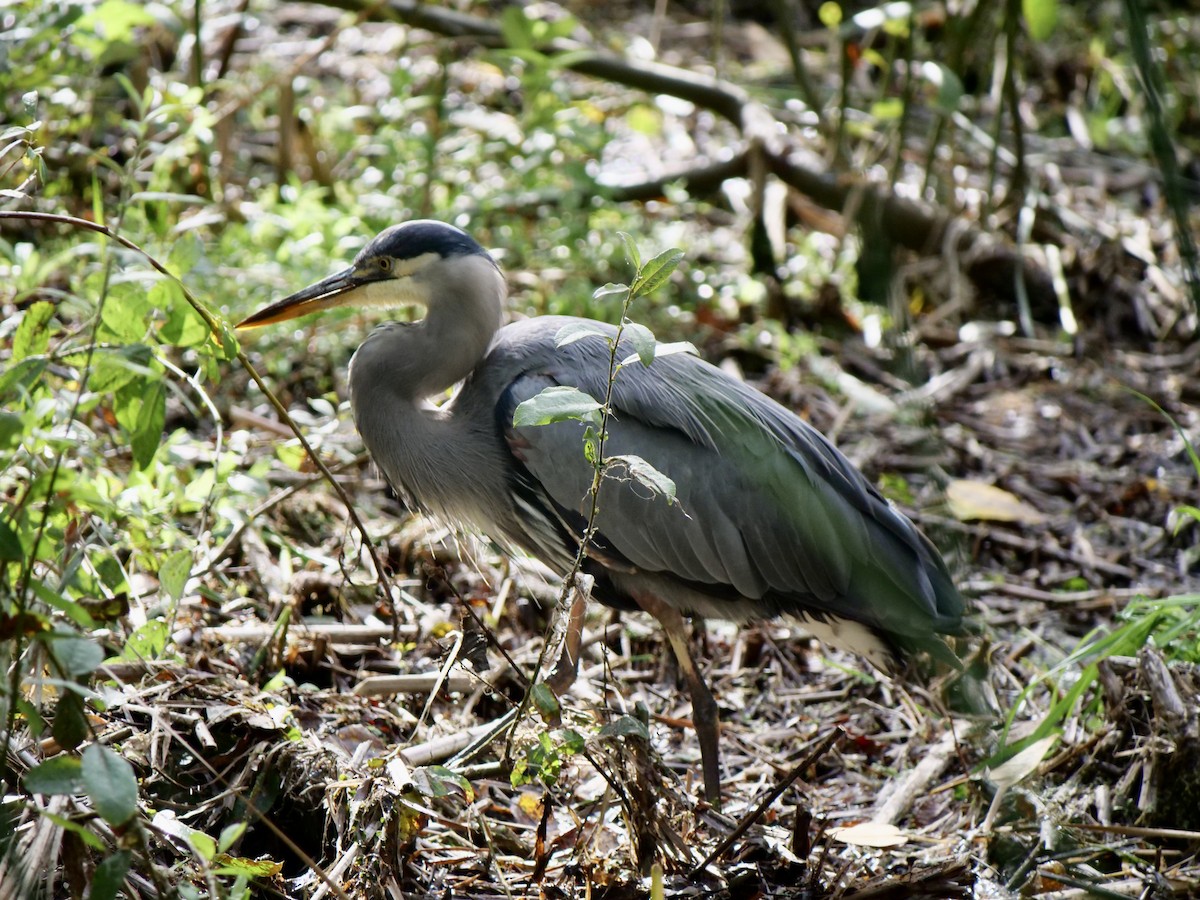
column 222, row 333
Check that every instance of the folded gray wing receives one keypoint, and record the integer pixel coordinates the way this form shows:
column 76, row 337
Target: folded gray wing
column 767, row 508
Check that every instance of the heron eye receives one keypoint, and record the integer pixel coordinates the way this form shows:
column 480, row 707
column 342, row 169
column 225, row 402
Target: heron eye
column 385, row 264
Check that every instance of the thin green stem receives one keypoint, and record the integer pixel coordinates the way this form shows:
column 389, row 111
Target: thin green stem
column 1162, row 146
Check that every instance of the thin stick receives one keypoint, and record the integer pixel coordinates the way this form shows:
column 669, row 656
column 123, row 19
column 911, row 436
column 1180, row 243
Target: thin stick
column 770, row 798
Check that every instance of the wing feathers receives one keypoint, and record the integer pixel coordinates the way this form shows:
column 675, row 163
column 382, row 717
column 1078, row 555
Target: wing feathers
column 769, row 510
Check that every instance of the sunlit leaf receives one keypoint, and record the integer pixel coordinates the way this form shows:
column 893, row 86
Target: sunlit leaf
column 230, row 835
column 1023, row 764
column 248, row 868
column 183, row 326
column 609, row 290
column 173, row 573
column 1041, row 16
column 127, row 312
column 204, row 845
column 970, row 500
column 631, row 249
column 1179, row 516
column 33, row 334
column 668, row 349
column 147, row 642
column 830, row 14
column 656, row 272
column 573, row 332
column 887, row 110
column 644, row 119
column 556, row 404
column 645, row 474
column 643, row 341
column 112, row 369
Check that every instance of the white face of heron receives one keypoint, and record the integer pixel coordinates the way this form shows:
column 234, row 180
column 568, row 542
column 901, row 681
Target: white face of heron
column 402, row 287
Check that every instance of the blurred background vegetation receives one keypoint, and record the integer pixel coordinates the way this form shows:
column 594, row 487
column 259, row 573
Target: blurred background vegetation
column 241, row 149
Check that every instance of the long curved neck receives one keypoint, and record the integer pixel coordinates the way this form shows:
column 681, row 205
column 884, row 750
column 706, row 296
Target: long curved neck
column 431, row 454
column 410, row 363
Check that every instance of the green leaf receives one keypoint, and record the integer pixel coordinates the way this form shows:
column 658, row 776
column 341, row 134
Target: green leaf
column 183, row 327
column 888, row 109
column 626, row 726
column 33, row 334
column 949, row 85
column 110, row 783
column 70, row 727
column 656, row 272
column 248, row 868
column 229, row 341
column 645, row 474
column 79, row 829
column 572, row 741
column 10, row 543
column 830, row 14
column 609, row 290
column 556, row 404
column 12, row 428
column 76, row 657
column 116, row 20
column 25, row 373
column 516, row 28
column 113, row 369
column 148, row 430
column 62, row 775
column 643, row 341
column 187, row 250
column 127, row 312
column 204, row 846
column 173, row 574
column 644, row 118
column 631, row 250
column 670, row 349
column 569, row 334
column 544, row 700
column 147, row 642
column 109, row 876
column 439, row 781
column 1179, row 515
column 230, row 835
column 1041, row 16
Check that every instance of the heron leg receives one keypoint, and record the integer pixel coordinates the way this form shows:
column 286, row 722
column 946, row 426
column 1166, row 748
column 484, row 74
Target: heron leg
column 704, row 707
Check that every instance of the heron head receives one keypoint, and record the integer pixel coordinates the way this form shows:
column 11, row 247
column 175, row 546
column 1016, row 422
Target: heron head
column 403, row 264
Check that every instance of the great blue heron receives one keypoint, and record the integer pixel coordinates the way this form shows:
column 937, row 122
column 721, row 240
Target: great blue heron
column 771, row 518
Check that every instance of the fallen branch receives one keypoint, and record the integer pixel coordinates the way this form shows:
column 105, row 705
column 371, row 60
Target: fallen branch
column 993, row 265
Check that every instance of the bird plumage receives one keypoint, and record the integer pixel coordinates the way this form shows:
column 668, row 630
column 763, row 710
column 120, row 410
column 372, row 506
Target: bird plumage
column 772, row 519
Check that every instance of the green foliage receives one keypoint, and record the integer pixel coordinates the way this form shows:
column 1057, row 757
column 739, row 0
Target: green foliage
column 544, row 759
column 1172, row 623
column 562, row 403
column 1041, row 16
